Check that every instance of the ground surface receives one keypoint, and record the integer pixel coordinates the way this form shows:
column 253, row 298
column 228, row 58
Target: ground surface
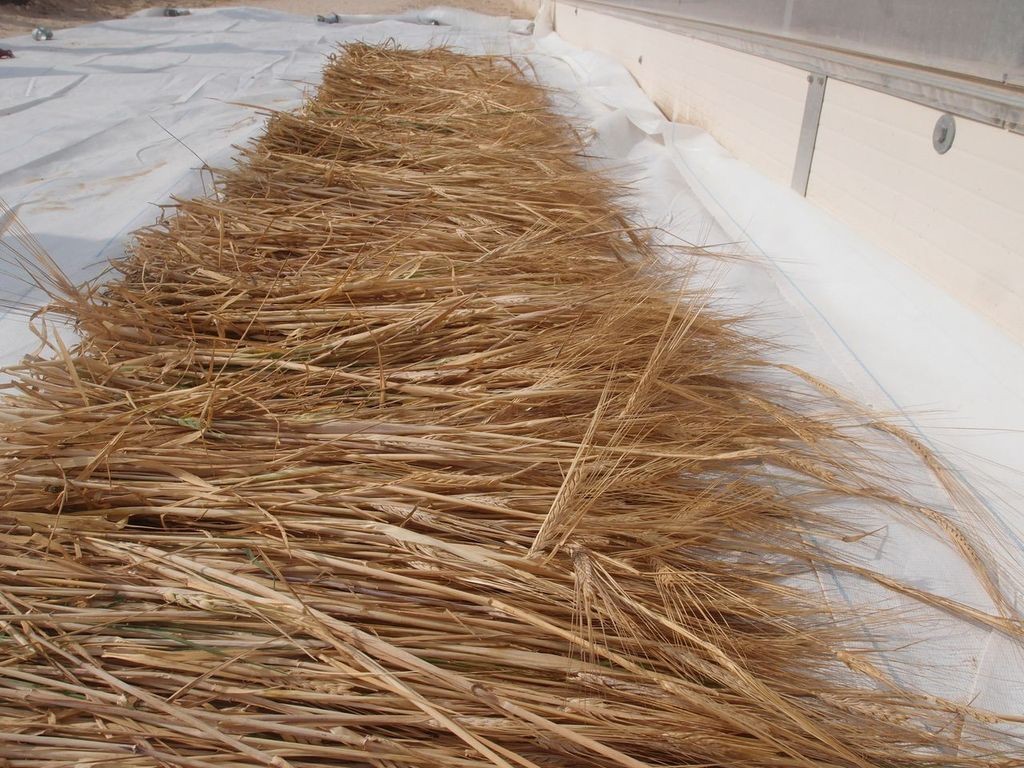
column 18, row 17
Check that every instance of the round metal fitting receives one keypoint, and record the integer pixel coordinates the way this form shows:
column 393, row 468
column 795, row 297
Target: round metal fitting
column 944, row 133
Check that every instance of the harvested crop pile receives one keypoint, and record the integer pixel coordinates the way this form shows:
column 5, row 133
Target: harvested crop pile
column 403, row 449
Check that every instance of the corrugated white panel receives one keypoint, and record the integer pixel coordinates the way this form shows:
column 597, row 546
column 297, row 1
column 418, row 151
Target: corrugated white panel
column 752, row 106
column 957, row 217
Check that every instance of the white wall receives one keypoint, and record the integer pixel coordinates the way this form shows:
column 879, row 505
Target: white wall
column 958, row 218
column 752, row 106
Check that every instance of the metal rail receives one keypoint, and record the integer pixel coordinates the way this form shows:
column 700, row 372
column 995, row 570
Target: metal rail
column 980, row 78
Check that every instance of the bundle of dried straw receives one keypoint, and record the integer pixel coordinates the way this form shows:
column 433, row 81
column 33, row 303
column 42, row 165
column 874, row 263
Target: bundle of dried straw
column 403, row 449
